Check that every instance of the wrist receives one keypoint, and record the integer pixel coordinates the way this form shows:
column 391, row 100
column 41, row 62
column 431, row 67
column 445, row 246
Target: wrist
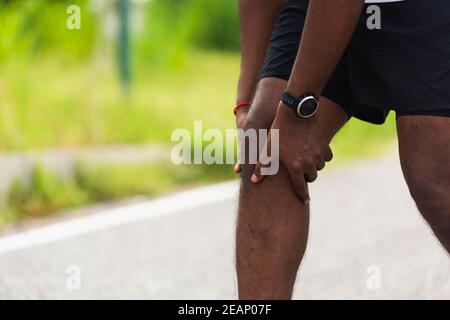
column 287, row 114
column 241, row 105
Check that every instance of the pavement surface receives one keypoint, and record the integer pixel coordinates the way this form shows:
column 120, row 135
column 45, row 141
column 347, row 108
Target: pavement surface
column 367, row 241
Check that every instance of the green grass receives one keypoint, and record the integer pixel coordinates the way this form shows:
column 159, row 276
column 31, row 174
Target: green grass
column 48, row 193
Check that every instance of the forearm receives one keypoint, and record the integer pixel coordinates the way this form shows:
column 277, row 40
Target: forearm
column 256, row 20
column 328, row 29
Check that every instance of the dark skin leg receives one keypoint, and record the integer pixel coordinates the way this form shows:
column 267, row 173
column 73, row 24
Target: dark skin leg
column 424, row 146
column 272, row 226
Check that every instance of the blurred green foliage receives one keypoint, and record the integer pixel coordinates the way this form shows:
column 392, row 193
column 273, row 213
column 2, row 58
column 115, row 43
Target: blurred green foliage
column 59, row 105
column 43, row 194
column 33, row 28
column 174, row 25
column 47, row 192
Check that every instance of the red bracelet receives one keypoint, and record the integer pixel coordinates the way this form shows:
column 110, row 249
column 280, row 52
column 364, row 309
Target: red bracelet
column 241, row 104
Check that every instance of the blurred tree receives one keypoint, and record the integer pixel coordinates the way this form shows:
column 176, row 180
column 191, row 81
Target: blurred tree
column 38, row 27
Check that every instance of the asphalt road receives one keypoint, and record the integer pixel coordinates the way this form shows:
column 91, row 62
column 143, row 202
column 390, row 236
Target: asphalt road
column 367, row 241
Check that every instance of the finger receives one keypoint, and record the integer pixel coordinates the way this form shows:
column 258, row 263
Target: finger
column 320, row 163
column 300, row 185
column 237, row 168
column 311, row 175
column 301, row 188
column 328, row 155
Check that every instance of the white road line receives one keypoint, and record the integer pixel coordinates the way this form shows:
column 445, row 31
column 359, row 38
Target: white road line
column 119, row 216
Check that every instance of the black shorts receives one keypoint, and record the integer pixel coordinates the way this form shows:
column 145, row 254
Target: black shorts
column 404, row 66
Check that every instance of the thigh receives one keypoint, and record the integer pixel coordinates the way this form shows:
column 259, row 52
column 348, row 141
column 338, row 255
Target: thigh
column 424, row 146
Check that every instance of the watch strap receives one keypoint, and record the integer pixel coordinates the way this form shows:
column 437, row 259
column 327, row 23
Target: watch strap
column 292, row 101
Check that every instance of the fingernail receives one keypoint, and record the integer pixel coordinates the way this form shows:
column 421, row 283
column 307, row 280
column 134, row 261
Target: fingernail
column 254, row 179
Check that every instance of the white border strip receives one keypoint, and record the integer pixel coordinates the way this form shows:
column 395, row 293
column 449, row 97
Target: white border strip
column 110, row 218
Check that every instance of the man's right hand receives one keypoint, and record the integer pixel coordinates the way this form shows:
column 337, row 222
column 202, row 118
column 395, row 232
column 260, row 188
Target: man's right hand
column 303, row 149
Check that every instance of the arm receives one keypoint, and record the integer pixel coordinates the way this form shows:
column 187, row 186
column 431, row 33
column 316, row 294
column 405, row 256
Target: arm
column 328, row 29
column 256, row 20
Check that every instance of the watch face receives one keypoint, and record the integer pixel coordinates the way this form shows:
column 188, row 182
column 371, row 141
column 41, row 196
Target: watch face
column 307, row 107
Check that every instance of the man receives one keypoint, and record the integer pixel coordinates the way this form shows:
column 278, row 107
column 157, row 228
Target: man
column 308, row 49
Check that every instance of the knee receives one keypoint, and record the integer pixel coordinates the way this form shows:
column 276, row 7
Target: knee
column 433, row 201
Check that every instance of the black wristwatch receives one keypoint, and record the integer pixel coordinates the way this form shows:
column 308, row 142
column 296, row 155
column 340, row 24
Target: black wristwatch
column 305, row 106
